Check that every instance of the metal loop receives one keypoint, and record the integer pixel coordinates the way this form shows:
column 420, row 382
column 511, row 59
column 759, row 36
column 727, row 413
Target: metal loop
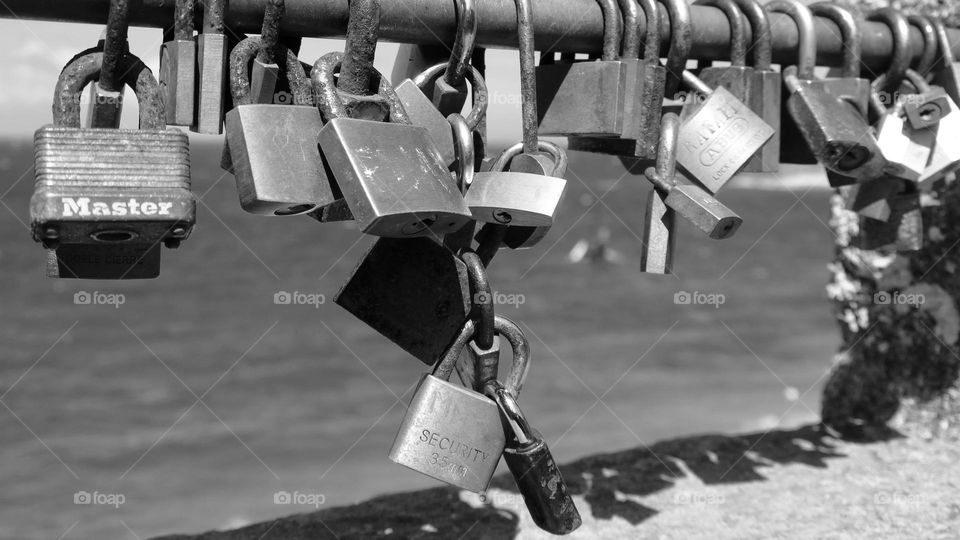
column 463, row 44
column 900, row 59
column 465, row 150
column 929, row 56
column 115, row 46
column 270, row 33
column 667, row 148
column 850, row 34
column 510, row 408
column 738, row 34
column 328, row 95
column 681, row 42
column 213, row 15
column 363, row 30
column 630, row 44
column 477, row 84
column 481, row 300
column 558, row 154
column 651, row 37
column 504, row 327
column 762, row 38
column 85, row 69
column 528, row 77
column 807, row 47
column 918, row 81
column 183, row 24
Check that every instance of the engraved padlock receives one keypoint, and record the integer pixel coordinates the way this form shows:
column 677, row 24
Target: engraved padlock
column 453, row 433
column 178, row 65
column 765, row 88
column 274, row 148
column 111, row 187
column 389, row 173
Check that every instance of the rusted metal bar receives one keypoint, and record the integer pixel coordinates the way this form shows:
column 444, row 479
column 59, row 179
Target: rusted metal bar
column 562, row 25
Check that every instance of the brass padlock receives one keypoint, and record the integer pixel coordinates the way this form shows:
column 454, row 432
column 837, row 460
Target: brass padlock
column 389, row 173
column 452, row 433
column 212, row 67
column 110, row 187
column 764, row 87
column 276, row 159
column 585, row 97
column 178, row 65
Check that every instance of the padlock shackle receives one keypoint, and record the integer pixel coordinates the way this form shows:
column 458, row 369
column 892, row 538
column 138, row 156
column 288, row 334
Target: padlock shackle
column 463, row 43
column 613, row 29
column 481, row 300
column 790, row 79
column 666, row 167
column 270, row 33
column 630, row 44
column 464, row 149
column 327, row 93
column 738, row 31
column 918, row 81
column 360, row 48
column 943, row 40
column 900, row 59
column 83, row 70
column 510, row 409
column 696, row 84
column 551, row 149
column 528, row 74
column 762, row 44
column 928, row 58
column 681, row 42
column 243, row 54
column 651, row 36
column 213, row 16
column 477, row 83
column 115, row 46
column 504, row 327
column 807, row 46
column 850, row 32
column 183, row 20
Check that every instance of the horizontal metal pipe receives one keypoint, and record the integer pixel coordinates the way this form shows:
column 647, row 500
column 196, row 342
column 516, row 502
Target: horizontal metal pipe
column 563, row 25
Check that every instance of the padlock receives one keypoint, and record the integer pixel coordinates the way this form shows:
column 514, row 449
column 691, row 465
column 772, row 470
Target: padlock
column 414, row 292
column 111, row 187
column 845, row 83
column 792, row 143
column 906, row 149
column 91, row 261
column 872, row 199
column 689, row 201
column 718, row 139
column 452, row 433
column 586, row 97
column 390, row 173
column 643, row 91
column 926, row 105
column 424, row 113
column 902, row 231
column 276, row 160
column 737, row 77
column 948, row 76
column 212, row 67
column 106, row 93
column 533, row 468
column 178, row 65
column 764, row 90
column 265, row 73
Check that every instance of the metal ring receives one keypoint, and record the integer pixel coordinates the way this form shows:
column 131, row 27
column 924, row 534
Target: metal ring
column 328, row 98
column 651, row 37
column 465, row 151
column 183, row 25
column 889, row 81
column 481, row 299
column 850, row 34
column 270, row 33
column 557, row 153
column 477, row 84
column 760, row 30
column 738, row 34
column 630, row 42
column 930, row 45
column 807, row 47
column 463, row 44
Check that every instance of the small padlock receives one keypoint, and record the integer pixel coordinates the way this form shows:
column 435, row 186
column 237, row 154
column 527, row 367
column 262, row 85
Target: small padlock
column 532, row 465
column 948, row 76
column 764, row 87
column 111, row 187
column 389, row 173
column 586, row 97
column 718, row 139
column 212, row 67
column 178, row 65
column 452, row 433
column 424, row 113
column 276, row 159
column 690, row 201
column 906, row 149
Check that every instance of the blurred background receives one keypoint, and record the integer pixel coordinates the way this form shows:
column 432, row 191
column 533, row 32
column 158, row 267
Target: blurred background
column 195, row 398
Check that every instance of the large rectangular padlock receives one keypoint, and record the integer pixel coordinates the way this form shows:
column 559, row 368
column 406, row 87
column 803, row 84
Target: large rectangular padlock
column 718, row 139
column 451, row 433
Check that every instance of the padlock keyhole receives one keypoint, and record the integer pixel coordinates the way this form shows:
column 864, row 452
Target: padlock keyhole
column 294, row 210
column 113, row 237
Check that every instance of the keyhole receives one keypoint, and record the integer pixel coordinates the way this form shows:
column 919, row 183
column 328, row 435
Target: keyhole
column 294, row 210
column 418, row 226
column 502, row 216
column 113, row 237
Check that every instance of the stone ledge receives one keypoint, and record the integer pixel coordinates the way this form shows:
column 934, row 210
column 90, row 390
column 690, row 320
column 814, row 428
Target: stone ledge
column 801, row 483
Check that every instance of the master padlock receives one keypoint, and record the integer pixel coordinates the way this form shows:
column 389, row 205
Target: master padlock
column 452, row 433
column 274, row 149
column 123, row 191
column 390, row 173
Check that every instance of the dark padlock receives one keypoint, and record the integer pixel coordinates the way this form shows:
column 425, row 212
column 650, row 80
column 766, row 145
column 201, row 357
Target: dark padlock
column 765, row 87
column 584, row 97
column 178, row 65
column 532, row 465
column 390, row 173
column 872, row 199
column 111, row 187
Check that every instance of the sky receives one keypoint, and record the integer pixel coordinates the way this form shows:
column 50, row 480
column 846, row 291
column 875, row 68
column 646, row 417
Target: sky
column 37, row 51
